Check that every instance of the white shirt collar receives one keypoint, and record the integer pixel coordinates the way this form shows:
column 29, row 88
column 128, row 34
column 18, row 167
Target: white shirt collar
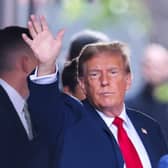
column 16, row 99
column 108, row 120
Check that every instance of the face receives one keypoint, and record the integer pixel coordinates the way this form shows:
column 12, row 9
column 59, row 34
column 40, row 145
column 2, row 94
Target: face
column 105, row 82
column 155, row 69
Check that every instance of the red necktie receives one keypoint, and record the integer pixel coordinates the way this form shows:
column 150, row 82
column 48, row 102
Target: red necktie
column 128, row 150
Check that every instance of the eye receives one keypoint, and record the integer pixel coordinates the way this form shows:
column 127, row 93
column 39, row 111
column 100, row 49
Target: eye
column 114, row 72
column 94, row 74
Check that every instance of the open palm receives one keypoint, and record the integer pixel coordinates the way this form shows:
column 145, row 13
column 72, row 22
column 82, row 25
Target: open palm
column 45, row 47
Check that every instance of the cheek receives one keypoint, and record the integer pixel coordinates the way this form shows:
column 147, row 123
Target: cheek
column 91, row 88
column 121, row 86
column 124, row 82
column 93, row 85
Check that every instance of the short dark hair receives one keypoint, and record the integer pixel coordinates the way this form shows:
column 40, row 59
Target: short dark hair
column 11, row 42
column 91, row 50
column 82, row 38
column 69, row 75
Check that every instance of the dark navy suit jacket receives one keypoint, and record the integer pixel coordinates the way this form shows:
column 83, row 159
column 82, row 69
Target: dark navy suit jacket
column 86, row 141
column 53, row 112
column 90, row 143
column 16, row 151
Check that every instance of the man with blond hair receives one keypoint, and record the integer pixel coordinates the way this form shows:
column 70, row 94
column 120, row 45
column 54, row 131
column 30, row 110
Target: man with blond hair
column 106, row 134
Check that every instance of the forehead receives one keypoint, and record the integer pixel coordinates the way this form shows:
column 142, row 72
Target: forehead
column 105, row 58
column 103, row 62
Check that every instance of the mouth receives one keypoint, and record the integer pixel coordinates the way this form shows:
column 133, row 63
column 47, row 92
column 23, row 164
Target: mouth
column 107, row 93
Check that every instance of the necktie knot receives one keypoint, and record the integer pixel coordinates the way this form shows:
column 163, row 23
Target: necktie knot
column 118, row 122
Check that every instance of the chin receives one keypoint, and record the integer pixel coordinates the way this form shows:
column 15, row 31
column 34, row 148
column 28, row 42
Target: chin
column 107, row 105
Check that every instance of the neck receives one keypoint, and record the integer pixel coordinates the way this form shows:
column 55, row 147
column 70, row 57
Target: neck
column 112, row 111
column 18, row 82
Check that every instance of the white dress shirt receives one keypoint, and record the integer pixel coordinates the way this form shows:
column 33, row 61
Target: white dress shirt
column 132, row 134
column 17, row 101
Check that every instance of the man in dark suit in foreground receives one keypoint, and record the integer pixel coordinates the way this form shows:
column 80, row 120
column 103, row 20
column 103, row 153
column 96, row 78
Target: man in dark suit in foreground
column 19, row 143
column 107, row 134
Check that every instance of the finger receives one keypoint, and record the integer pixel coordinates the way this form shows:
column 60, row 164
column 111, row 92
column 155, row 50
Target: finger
column 59, row 39
column 60, row 34
column 36, row 24
column 31, row 30
column 44, row 24
column 27, row 39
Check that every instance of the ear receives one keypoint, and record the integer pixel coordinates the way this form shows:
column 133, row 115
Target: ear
column 25, row 64
column 21, row 64
column 128, row 81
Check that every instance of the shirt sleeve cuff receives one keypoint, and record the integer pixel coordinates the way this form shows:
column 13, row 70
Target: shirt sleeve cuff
column 46, row 79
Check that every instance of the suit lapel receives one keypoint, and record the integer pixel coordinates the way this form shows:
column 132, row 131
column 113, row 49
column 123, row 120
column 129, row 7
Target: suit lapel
column 10, row 112
column 143, row 132
column 100, row 124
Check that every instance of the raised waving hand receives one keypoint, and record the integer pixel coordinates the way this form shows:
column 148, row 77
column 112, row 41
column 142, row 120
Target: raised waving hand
column 45, row 46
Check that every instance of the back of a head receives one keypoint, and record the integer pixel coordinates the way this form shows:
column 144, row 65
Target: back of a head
column 82, row 38
column 11, row 42
column 70, row 81
column 69, row 76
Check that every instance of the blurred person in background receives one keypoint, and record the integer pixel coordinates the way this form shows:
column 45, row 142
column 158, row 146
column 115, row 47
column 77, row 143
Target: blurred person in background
column 69, row 75
column 69, row 81
column 82, row 38
column 155, row 74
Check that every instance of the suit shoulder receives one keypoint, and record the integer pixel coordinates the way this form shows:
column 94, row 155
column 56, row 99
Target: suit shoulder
column 141, row 115
column 73, row 108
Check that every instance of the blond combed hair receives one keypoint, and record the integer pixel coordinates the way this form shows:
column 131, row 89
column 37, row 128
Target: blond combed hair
column 114, row 47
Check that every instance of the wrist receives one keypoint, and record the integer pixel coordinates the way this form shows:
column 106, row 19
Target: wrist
column 46, row 69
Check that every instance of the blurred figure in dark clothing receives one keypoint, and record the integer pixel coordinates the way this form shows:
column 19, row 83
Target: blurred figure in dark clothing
column 155, row 73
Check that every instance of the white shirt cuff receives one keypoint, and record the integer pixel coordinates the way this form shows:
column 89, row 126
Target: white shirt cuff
column 46, row 79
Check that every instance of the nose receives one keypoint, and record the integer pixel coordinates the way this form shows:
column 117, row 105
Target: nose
column 104, row 79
